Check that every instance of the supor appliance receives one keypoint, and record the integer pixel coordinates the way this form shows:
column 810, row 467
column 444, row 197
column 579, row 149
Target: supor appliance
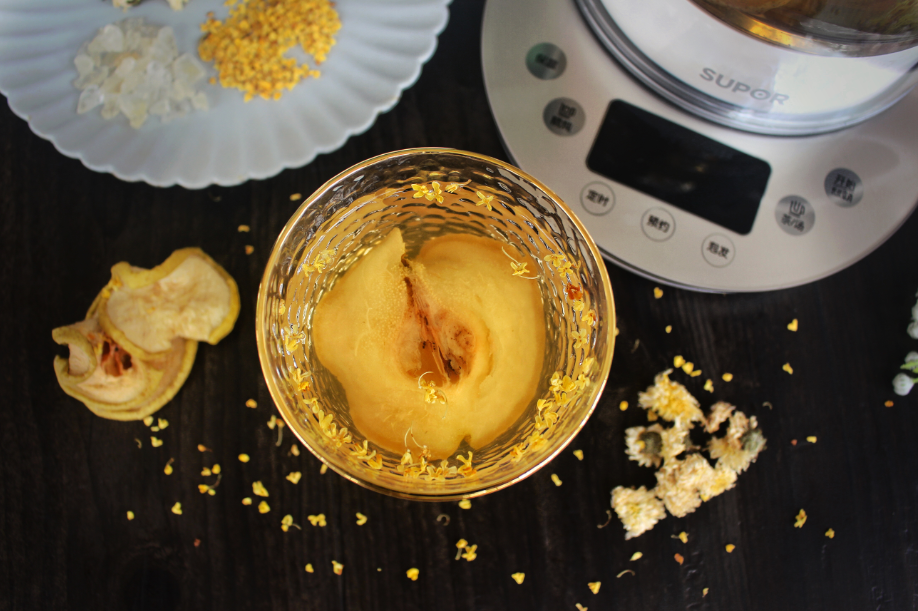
column 737, row 145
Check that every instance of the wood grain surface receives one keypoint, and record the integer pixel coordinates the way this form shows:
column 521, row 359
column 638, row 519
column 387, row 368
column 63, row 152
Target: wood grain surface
column 67, row 478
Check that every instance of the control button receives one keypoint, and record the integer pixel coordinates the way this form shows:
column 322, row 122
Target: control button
column 563, row 116
column 546, row 61
column 597, row 198
column 844, row 187
column 658, row 224
column 718, row 250
column 795, row 215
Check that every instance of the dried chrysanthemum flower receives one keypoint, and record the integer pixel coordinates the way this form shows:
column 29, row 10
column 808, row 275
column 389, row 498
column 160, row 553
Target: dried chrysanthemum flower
column 671, row 401
column 644, row 444
column 638, row 509
column 740, row 446
column 720, row 411
column 675, row 441
column 720, row 481
column 679, row 483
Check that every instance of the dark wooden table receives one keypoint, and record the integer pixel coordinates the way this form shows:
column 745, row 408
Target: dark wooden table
column 67, row 478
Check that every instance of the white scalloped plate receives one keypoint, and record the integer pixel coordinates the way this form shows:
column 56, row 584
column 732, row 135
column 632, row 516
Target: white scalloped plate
column 380, row 49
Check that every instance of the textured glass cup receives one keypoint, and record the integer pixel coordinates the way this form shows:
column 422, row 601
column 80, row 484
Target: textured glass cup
column 427, row 193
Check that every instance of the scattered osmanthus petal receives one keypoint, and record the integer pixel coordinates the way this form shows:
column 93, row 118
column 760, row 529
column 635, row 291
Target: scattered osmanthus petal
column 657, row 292
column 361, row 519
column 205, row 471
column 148, row 420
column 162, row 423
column 688, row 367
column 317, row 520
column 800, row 519
column 578, row 454
column 678, row 361
column 412, row 574
column 323, row 469
column 244, row 458
column 623, row 573
column 729, row 547
column 168, row 468
column 709, row 385
column 287, row 522
column 793, row 325
column 669, row 328
column 683, row 536
column 623, row 405
column 811, row 438
column 337, row 567
column 787, row 367
column 295, row 450
column 636, row 556
column 555, row 479
column 243, row 229
column 518, row 577
column 247, row 501
column 259, row 489
column 197, row 543
column 679, row 558
column 465, row 504
column 727, row 377
column 251, row 403
column 295, row 196
column 130, row 515
column 177, row 509
column 594, row 586
column 156, row 442
column 203, row 448
column 704, row 592
column 830, row 533
column 249, row 249
column 889, row 404
column 580, row 607
column 263, row 507
column 294, row 477
column 793, row 442
column 469, row 553
column 272, row 422
column 309, row 568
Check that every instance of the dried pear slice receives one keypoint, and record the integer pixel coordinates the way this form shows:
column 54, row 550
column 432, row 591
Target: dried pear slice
column 188, row 296
column 110, row 381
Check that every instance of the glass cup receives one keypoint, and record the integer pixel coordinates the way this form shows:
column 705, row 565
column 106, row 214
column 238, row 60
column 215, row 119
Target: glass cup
column 427, row 193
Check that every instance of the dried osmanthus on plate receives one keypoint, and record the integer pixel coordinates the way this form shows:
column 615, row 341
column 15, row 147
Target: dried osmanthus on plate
column 135, row 348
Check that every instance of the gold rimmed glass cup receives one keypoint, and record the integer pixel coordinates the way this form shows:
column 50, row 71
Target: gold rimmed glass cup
column 427, row 193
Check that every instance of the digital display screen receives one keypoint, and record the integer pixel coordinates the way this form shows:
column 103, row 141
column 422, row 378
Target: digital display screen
column 680, row 167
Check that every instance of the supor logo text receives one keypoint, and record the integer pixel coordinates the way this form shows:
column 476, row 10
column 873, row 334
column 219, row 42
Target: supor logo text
column 725, row 82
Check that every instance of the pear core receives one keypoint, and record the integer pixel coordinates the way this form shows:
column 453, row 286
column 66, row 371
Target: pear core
column 454, row 314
